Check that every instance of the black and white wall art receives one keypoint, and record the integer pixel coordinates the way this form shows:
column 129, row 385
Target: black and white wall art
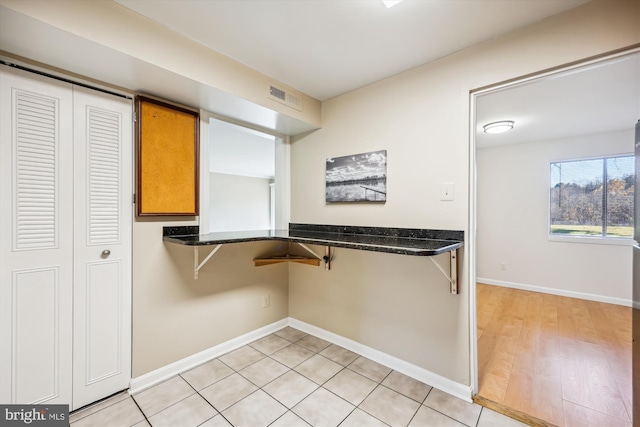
column 357, row 178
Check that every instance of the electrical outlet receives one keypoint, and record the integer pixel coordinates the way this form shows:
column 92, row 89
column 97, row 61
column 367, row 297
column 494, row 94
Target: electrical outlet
column 266, row 301
column 503, row 266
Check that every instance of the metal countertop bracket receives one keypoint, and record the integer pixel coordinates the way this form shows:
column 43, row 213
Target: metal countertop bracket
column 196, row 257
column 452, row 276
column 327, row 255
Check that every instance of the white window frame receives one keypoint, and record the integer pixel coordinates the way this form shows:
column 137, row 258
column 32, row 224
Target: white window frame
column 597, row 240
column 282, row 169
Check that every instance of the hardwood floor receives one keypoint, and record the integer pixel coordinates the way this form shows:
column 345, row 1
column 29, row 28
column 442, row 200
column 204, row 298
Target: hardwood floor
column 562, row 360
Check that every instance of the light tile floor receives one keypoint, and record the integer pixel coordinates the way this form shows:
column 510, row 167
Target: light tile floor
column 290, row 379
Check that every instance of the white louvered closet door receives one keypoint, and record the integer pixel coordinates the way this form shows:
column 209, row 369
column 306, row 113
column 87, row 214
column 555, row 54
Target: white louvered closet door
column 36, row 239
column 102, row 260
column 65, row 241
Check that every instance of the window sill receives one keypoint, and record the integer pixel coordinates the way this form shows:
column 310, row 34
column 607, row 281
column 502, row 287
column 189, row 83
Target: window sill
column 615, row 241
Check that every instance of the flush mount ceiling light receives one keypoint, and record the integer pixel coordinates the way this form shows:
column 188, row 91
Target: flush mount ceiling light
column 498, row 127
column 390, row 3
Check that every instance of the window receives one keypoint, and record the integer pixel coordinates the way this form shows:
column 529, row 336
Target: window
column 241, row 179
column 581, row 205
column 244, row 172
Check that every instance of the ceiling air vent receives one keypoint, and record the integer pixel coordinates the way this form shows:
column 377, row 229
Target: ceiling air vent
column 286, row 97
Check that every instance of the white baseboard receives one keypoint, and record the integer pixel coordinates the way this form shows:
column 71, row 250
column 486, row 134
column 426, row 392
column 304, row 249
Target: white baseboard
column 441, row 383
column 559, row 292
column 159, row 375
column 162, row 374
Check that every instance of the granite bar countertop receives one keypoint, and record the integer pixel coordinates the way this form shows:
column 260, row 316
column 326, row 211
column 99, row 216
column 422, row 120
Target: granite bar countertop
column 405, row 241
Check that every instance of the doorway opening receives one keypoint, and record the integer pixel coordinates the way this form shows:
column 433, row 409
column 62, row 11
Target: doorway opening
column 552, row 309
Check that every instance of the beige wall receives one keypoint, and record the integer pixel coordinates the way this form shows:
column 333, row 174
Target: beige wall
column 397, row 304
column 175, row 316
column 514, row 212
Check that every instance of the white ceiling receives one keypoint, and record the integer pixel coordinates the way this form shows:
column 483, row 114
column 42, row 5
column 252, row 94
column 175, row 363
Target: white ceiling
column 324, row 48
column 594, row 99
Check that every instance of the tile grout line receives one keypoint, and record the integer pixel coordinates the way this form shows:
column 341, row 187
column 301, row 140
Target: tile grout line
column 448, row 416
column 291, row 369
column 173, row 404
column 420, row 404
column 141, row 411
column 479, row 416
column 204, row 398
column 365, row 398
column 259, row 388
column 321, row 386
column 238, row 372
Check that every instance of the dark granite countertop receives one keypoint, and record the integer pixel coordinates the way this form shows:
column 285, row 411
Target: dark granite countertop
column 405, row 241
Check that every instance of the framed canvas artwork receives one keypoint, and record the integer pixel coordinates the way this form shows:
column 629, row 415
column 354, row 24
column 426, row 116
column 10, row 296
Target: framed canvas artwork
column 357, row 178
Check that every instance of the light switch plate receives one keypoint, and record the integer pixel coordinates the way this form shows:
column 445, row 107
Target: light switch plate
column 446, row 191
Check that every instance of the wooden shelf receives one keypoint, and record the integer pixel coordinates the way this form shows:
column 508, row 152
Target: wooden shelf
column 259, row 262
